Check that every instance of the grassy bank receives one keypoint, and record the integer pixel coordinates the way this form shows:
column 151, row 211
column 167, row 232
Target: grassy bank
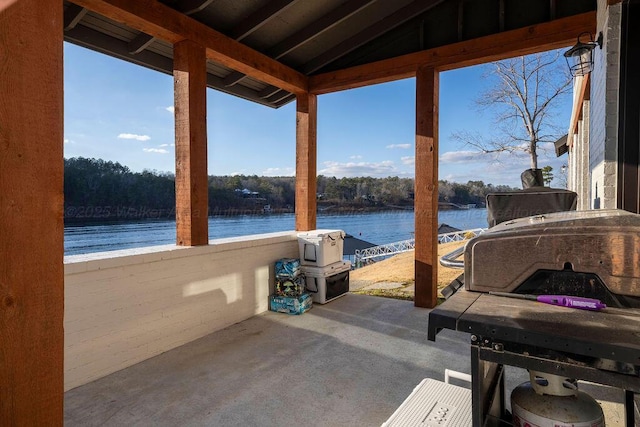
column 395, row 276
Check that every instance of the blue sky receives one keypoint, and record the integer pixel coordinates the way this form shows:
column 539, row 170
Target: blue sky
column 122, row 112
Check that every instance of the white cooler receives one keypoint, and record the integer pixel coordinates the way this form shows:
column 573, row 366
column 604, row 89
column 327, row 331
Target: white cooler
column 319, row 248
column 327, row 283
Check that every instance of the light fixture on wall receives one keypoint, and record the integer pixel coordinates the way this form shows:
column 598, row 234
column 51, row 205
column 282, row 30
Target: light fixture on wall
column 580, row 57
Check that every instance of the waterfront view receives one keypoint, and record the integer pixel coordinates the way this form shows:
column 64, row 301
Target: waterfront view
column 377, row 227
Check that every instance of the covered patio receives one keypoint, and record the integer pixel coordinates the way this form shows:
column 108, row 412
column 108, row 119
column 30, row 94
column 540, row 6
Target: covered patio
column 67, row 324
column 350, row 362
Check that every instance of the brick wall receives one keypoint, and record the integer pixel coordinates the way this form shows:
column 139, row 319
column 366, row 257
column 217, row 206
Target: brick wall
column 131, row 305
column 603, row 127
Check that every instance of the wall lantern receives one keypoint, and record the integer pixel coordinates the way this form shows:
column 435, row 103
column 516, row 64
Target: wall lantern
column 580, row 57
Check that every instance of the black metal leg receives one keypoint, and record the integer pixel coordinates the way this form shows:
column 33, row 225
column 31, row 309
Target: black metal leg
column 503, row 406
column 487, row 388
column 477, row 379
column 629, row 409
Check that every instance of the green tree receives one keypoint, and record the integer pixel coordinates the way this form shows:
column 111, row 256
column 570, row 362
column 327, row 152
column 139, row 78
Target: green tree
column 547, row 175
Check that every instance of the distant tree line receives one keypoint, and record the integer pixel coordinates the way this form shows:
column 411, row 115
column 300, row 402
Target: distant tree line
column 473, row 192
column 96, row 189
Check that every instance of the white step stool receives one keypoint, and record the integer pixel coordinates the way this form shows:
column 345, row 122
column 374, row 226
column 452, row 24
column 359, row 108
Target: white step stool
column 434, row 403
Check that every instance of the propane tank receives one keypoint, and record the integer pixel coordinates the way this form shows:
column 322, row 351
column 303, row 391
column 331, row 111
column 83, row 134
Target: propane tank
column 553, row 401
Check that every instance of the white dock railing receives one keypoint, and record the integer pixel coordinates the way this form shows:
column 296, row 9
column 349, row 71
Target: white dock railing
column 457, row 236
column 364, row 256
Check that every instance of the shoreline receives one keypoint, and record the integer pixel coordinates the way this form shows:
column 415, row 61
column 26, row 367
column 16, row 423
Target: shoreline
column 108, row 215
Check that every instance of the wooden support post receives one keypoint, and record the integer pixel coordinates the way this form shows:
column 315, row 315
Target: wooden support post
column 426, row 191
column 31, row 205
column 306, row 180
column 190, row 85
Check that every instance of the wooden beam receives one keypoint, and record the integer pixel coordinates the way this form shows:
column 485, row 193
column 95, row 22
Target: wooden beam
column 580, row 94
column 190, row 85
column 306, row 180
column 523, row 41
column 163, row 22
column 400, row 16
column 426, row 188
column 31, row 206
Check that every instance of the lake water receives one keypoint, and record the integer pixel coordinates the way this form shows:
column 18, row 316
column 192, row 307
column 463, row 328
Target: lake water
column 378, row 227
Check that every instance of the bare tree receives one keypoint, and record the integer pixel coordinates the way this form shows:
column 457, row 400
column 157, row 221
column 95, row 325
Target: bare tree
column 524, row 97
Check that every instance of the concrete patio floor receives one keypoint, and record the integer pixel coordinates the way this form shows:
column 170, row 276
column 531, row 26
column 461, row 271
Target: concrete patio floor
column 351, row 362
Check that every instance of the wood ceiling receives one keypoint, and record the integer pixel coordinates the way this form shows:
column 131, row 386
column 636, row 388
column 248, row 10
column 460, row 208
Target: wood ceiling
column 266, row 50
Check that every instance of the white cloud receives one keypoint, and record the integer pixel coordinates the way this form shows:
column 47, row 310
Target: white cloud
column 408, row 160
column 155, row 150
column 502, row 172
column 69, row 141
column 401, row 146
column 134, row 136
column 547, row 147
column 353, row 169
column 461, row 157
column 279, row 172
column 356, row 157
column 171, row 109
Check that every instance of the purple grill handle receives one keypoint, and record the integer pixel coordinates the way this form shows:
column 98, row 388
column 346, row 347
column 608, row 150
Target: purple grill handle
column 573, row 302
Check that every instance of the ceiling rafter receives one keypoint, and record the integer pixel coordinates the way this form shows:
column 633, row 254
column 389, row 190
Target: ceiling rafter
column 73, row 15
column 285, row 101
column 92, row 39
column 384, row 25
column 523, row 41
column 163, row 22
column 140, row 43
column 278, row 96
column 260, row 17
column 310, row 32
column 252, row 23
column 234, row 77
column 188, row 7
column 460, row 20
column 268, row 91
column 318, row 27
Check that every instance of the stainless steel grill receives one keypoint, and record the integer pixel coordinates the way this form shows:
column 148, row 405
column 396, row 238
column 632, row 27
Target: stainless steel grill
column 582, row 253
